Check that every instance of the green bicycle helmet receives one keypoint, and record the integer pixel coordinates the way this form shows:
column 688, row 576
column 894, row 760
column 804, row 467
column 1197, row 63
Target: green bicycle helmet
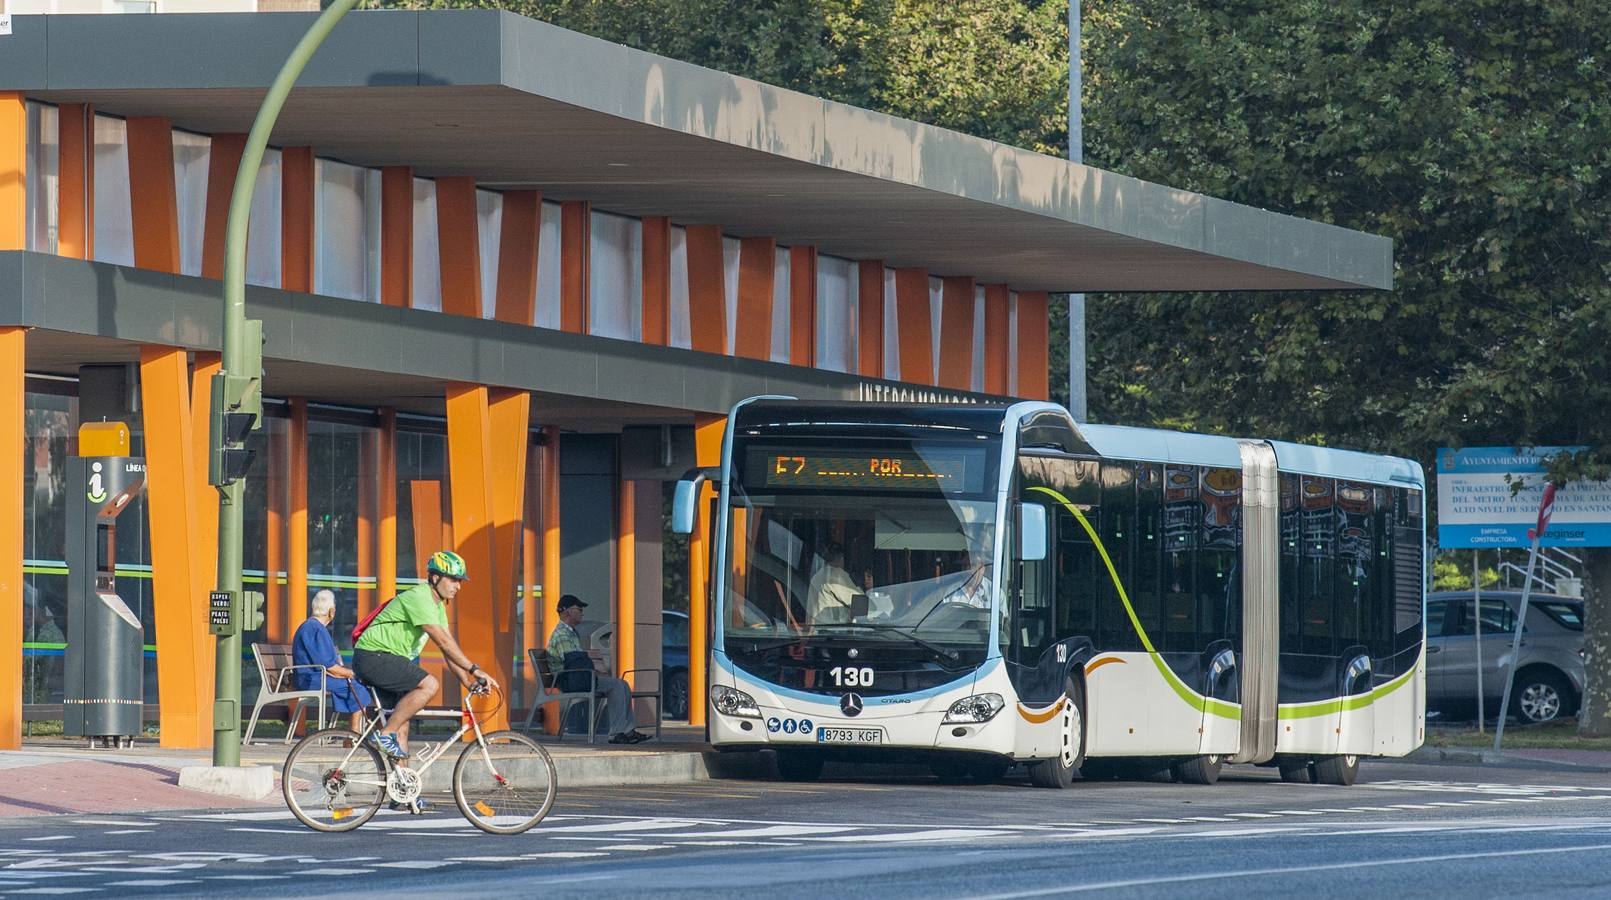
column 446, row 562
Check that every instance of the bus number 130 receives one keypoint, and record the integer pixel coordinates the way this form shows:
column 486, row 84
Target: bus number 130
column 850, row 676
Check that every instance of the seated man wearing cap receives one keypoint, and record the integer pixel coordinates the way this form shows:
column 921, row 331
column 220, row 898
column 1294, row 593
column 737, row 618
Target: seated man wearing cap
column 565, row 649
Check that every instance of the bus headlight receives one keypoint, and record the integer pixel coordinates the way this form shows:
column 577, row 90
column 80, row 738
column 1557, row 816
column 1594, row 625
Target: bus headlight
column 733, row 702
column 978, row 708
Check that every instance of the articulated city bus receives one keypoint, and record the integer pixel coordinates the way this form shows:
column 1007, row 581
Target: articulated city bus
column 972, row 586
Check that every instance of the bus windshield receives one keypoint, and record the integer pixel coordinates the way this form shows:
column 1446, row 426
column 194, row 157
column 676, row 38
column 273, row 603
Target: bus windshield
column 888, row 548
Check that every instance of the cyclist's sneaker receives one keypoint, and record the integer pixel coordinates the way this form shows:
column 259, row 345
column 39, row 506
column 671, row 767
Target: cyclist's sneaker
column 387, row 744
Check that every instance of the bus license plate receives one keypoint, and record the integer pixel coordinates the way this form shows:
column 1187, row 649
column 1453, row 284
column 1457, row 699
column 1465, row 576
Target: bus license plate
column 849, row 736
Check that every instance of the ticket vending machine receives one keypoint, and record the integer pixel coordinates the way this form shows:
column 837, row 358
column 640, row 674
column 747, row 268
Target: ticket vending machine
column 105, row 646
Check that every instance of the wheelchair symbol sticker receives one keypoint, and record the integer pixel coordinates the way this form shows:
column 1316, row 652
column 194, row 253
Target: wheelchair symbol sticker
column 805, row 726
column 773, row 724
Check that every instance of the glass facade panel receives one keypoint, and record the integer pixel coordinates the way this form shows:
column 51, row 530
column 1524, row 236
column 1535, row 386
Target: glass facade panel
column 978, row 338
column 682, row 332
column 730, row 254
column 114, row 218
column 548, row 267
column 343, row 247
column 780, row 306
column 615, row 277
column 936, row 297
column 489, row 227
column 1012, row 342
column 190, row 158
column 892, row 329
column 427, row 255
column 335, row 466
column 836, row 313
column 263, row 232
column 421, row 456
column 41, row 177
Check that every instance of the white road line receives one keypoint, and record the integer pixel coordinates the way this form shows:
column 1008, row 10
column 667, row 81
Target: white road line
column 51, row 837
column 153, row 882
column 53, row 890
column 630, row 825
column 485, row 859
column 1300, row 812
column 902, row 837
column 639, row 847
column 129, row 831
column 111, row 822
column 1251, row 815
column 570, row 854
column 328, row 871
column 1412, row 806
column 1165, row 821
column 250, row 828
column 767, row 831
column 699, row 843
column 1211, row 819
column 1304, row 869
column 415, row 864
column 245, row 877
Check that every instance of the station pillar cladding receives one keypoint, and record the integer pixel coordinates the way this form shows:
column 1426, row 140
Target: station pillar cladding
column 105, row 646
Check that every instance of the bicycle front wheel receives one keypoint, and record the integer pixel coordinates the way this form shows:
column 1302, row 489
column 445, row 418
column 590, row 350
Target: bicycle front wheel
column 506, row 787
column 332, row 782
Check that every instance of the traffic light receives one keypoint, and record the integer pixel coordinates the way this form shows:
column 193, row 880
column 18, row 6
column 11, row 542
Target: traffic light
column 237, row 410
column 252, row 611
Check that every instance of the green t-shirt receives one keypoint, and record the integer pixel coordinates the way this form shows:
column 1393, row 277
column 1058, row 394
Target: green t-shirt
column 398, row 629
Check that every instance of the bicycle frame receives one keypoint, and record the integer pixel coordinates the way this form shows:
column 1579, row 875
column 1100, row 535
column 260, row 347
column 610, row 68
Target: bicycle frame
column 469, row 723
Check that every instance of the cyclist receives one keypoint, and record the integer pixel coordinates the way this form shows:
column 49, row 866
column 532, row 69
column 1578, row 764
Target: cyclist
column 385, row 654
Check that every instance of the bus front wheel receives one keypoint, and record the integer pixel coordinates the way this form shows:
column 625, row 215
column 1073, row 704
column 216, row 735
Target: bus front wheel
column 1059, row 771
column 799, row 765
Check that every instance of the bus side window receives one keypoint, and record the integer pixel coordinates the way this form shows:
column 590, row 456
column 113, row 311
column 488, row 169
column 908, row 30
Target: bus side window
column 1182, row 518
column 1149, row 545
column 1291, row 549
column 1316, row 599
column 1118, row 532
column 1407, row 575
column 1076, row 569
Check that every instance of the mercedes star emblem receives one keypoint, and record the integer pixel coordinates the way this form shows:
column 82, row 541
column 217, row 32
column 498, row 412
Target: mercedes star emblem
column 850, row 704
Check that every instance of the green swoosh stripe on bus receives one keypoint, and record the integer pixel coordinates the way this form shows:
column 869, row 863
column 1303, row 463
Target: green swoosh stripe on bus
column 1193, row 699
column 1337, row 705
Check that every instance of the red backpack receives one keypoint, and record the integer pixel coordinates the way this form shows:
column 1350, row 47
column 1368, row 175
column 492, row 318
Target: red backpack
column 358, row 630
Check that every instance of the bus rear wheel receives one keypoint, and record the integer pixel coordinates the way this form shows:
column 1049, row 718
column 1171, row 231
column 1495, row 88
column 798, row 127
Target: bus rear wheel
column 1295, row 770
column 799, row 765
column 1059, row 771
column 1341, row 770
column 1199, row 769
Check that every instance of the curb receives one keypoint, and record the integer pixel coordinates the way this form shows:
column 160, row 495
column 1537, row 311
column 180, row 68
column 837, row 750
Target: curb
column 243, row 782
column 1478, row 757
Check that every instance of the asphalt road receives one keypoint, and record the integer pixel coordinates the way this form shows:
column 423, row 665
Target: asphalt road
column 1404, row 830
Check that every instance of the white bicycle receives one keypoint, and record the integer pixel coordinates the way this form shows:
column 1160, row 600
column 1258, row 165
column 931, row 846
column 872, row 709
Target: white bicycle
column 504, row 782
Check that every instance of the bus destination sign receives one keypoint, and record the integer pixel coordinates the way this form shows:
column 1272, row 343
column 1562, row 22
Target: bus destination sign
column 782, row 467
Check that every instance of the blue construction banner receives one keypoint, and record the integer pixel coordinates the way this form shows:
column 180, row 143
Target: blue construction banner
column 1479, row 507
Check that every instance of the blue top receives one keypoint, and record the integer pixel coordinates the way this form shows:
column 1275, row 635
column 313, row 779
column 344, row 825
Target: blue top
column 314, row 646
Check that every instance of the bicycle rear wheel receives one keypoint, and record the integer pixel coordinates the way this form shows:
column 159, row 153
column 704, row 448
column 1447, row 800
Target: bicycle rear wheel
column 331, row 782
column 507, row 788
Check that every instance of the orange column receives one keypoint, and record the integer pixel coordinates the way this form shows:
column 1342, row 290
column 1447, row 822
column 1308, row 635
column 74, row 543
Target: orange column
column 296, row 226
column 575, row 242
column 204, row 527
column 707, row 289
column 757, row 269
column 915, row 323
column 459, row 245
column 803, row 305
column 11, row 461
column 397, row 236
column 75, row 185
column 152, row 200
column 551, row 590
column 626, row 578
column 870, row 318
column 509, row 414
column 956, row 333
column 13, row 172
column 997, row 318
column 1033, row 375
column 517, row 256
column 223, row 164
column 275, row 607
column 386, row 513
column 296, row 563
column 708, row 431
column 367, row 444
column 184, row 671
column 656, row 280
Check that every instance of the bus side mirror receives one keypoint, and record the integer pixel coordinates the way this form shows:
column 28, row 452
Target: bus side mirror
column 685, row 502
column 1031, row 532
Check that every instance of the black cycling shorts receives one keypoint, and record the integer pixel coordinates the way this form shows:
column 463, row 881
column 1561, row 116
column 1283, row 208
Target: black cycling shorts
column 390, row 675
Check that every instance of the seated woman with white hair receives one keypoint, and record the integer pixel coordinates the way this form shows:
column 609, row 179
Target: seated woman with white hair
column 313, row 646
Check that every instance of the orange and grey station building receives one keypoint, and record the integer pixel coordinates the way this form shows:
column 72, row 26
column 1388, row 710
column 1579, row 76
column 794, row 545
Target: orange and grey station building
column 512, row 278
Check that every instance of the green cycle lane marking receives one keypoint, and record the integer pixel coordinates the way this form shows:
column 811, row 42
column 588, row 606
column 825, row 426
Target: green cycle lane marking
column 1193, row 699
column 1196, row 700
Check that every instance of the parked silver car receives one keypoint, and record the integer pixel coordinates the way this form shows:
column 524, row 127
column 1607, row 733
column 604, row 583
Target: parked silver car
column 1549, row 683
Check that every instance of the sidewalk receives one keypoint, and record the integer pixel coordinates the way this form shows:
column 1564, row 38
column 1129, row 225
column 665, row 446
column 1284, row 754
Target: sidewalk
column 1547, row 759
column 56, row 776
